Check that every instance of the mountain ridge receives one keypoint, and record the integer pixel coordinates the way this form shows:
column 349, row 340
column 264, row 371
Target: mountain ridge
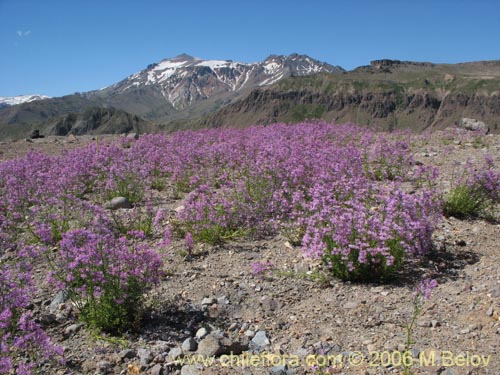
column 186, row 92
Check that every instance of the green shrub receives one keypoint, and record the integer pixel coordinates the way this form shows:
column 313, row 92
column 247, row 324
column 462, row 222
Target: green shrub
column 464, row 201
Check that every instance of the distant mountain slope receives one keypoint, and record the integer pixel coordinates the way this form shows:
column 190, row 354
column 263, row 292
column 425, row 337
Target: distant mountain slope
column 93, row 120
column 183, row 87
column 20, row 99
column 388, row 93
column 186, row 92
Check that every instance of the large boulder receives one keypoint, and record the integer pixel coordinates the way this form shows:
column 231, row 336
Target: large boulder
column 473, row 125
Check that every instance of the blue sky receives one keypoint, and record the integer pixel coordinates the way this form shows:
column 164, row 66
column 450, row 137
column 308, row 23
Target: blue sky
column 58, row 47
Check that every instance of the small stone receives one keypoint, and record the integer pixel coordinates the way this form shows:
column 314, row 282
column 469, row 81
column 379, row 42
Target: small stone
column 249, row 333
column 424, row 323
column 145, row 356
column 189, row 345
column 127, row 354
column 209, row 346
column 490, row 311
column 117, row 203
column 351, row 305
column 190, row 370
column 175, row 353
column 222, row 300
column 390, row 346
column 201, row 333
column 260, row 341
column 435, row 323
column 233, row 327
column 60, row 297
column 269, row 304
column 72, row 329
column 208, row 301
column 132, row 136
column 35, row 134
column 279, row 370
column 460, row 243
column 104, row 366
column 156, row 370
column 71, row 139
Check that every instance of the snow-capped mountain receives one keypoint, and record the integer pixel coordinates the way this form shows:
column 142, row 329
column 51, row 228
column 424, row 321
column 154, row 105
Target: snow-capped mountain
column 14, row 100
column 183, row 80
column 175, row 90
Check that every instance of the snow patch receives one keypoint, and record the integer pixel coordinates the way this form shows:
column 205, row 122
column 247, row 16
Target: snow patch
column 20, row 99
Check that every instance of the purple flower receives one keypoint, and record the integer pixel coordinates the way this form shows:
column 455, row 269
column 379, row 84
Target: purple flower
column 189, row 241
column 425, row 287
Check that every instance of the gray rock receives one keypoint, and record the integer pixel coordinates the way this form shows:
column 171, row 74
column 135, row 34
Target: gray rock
column 269, row 304
column 424, row 323
column 189, row 345
column 448, row 371
column 490, row 311
column 351, row 305
column 35, row 134
column 104, row 366
column 175, row 353
column 133, row 136
column 208, row 301
column 201, row 333
column 209, row 346
column 278, row 370
column 117, row 203
column 72, row 329
column 260, row 341
column 473, row 124
column 222, row 300
column 249, row 333
column 145, row 356
column 156, row 370
column 190, row 370
column 61, row 297
column 127, row 354
column 71, row 139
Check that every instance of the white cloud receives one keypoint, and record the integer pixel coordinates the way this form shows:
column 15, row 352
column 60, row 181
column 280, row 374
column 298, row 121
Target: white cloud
column 23, row 33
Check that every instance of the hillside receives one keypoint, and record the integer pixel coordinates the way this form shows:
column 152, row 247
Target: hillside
column 180, row 88
column 388, row 94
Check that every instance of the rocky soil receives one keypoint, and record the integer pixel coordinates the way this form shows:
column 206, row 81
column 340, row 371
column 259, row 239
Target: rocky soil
column 211, row 303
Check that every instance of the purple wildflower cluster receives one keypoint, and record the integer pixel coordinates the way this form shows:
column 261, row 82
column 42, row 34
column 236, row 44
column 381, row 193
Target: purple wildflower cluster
column 260, row 268
column 106, row 276
column 486, row 179
column 338, row 190
column 20, row 337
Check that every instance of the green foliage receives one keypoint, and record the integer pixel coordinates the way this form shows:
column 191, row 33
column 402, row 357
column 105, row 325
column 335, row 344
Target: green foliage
column 464, row 201
column 375, row 267
column 138, row 219
column 129, row 187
